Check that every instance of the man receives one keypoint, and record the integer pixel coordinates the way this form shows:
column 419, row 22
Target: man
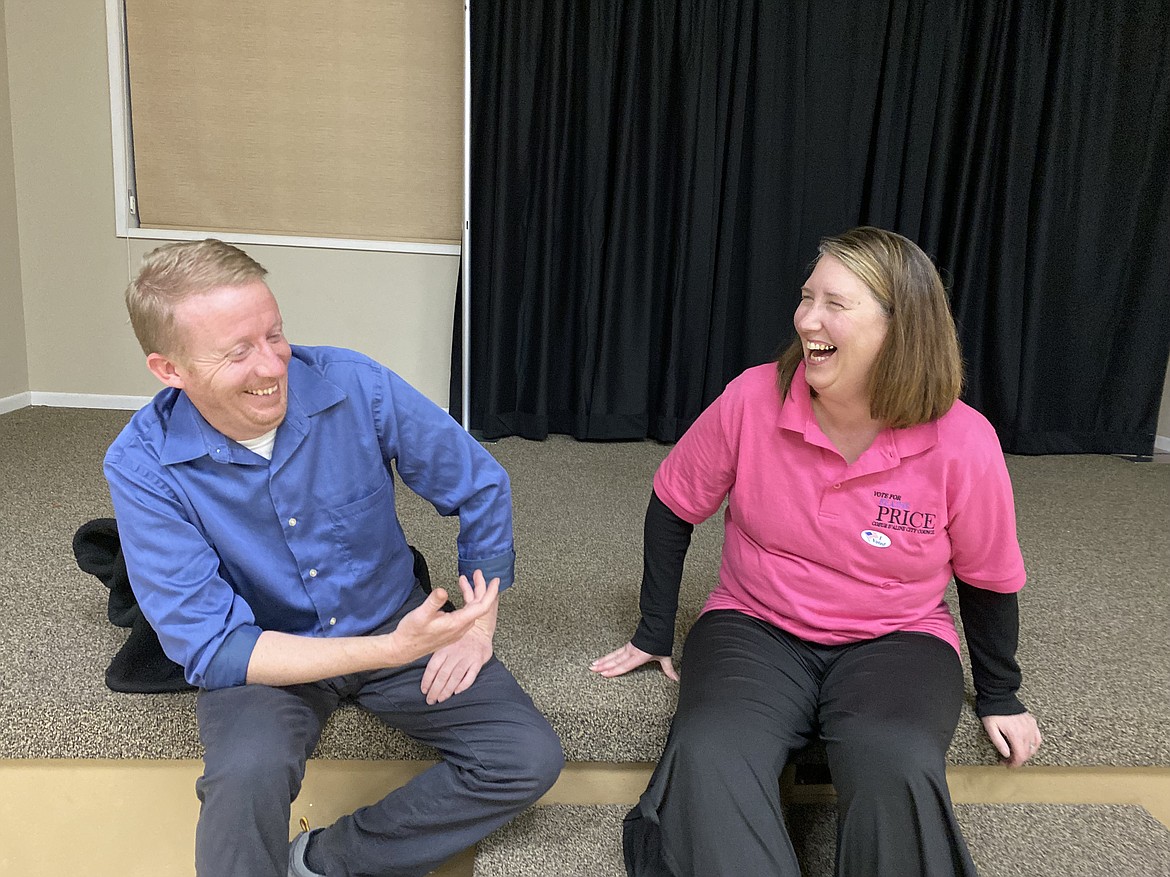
column 255, row 504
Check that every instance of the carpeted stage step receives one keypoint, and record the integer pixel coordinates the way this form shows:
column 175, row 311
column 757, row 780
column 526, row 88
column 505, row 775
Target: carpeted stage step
column 1006, row 840
column 1092, row 644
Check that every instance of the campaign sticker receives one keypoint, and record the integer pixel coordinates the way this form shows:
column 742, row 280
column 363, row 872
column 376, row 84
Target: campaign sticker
column 876, row 539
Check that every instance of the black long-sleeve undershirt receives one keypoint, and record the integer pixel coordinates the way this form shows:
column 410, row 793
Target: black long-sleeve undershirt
column 666, row 538
column 990, row 619
column 991, row 624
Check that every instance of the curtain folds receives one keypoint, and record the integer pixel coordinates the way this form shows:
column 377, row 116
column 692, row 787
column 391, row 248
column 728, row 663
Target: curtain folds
column 650, row 180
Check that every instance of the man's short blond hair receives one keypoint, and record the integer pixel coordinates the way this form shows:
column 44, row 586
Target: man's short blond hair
column 174, row 272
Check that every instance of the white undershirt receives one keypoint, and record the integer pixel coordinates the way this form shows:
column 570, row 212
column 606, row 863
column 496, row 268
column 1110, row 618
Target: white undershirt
column 262, row 445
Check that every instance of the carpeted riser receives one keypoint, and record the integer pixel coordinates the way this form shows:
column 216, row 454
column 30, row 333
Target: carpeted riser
column 1005, row 840
column 1092, row 645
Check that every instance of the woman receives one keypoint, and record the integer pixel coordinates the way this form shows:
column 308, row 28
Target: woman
column 856, row 484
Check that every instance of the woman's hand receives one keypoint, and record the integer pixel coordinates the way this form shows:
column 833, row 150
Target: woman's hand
column 628, row 657
column 1015, row 737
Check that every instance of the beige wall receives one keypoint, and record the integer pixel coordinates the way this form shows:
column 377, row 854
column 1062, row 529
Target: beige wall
column 395, row 307
column 13, row 347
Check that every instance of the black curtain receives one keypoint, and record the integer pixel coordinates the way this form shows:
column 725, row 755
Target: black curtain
column 650, row 180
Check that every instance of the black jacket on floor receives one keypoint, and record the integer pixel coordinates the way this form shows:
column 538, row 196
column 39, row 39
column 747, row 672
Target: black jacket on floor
column 140, row 666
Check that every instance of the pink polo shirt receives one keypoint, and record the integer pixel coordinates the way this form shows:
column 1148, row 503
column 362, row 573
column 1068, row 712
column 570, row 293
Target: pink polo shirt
column 834, row 552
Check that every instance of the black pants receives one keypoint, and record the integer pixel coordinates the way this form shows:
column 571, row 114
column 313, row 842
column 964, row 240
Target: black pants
column 751, row 695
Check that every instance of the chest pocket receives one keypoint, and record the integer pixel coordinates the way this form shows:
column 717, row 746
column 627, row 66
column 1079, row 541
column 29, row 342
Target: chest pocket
column 363, row 529
column 903, row 543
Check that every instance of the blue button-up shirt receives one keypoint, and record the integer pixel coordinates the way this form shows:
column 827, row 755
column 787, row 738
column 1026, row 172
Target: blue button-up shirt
column 221, row 544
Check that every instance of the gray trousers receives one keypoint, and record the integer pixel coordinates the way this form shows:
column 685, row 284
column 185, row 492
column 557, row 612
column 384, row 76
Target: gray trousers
column 752, row 695
column 498, row 756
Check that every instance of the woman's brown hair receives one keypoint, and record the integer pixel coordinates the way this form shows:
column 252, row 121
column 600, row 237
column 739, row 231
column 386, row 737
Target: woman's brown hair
column 918, row 373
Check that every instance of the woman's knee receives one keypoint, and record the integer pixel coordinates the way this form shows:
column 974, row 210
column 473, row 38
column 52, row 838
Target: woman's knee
column 886, row 763
column 705, row 729
column 707, row 751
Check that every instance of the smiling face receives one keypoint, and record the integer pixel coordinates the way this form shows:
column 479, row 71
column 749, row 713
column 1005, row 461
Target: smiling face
column 842, row 327
column 233, row 359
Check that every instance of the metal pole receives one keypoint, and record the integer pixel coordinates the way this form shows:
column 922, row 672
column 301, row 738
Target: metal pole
column 465, row 260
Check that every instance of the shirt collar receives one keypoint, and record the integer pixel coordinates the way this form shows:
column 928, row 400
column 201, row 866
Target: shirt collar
column 796, row 411
column 796, row 414
column 914, row 439
column 189, row 435
column 309, row 393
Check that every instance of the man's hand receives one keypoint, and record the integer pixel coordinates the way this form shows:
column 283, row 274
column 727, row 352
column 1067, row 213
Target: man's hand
column 427, row 628
column 454, row 667
column 1016, row 738
column 287, row 659
column 628, row 657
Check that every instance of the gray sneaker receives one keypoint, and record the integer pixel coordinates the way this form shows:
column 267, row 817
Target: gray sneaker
column 296, row 853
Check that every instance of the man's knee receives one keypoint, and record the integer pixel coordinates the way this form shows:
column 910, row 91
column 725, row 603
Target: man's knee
column 516, row 747
column 253, row 769
column 527, row 763
column 550, row 759
column 257, row 734
column 539, row 756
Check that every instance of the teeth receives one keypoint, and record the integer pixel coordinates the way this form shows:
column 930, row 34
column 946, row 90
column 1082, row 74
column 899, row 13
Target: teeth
column 820, row 345
column 267, row 392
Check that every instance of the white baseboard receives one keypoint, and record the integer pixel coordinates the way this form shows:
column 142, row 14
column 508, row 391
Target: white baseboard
column 88, row 400
column 1162, row 444
column 12, row 403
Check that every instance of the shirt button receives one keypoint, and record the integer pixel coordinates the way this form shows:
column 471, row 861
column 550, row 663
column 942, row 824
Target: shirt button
column 837, row 486
column 312, row 573
column 292, row 522
column 333, row 621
